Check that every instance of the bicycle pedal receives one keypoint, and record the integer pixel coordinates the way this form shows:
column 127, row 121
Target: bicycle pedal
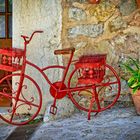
column 53, row 109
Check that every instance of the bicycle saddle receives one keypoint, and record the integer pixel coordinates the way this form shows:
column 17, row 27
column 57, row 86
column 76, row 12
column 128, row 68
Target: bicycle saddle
column 65, row 51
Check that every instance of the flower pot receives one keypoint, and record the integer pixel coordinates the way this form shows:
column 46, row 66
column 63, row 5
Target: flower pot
column 94, row 1
column 136, row 100
column 138, row 3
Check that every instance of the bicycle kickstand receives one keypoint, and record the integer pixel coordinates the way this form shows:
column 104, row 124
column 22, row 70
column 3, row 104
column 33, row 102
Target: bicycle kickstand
column 94, row 97
column 90, row 108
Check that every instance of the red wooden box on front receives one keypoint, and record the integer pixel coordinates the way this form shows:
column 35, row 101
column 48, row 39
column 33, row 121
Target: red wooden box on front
column 91, row 68
column 11, row 59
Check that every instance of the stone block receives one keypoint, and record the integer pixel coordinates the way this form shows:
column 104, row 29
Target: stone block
column 93, row 30
column 117, row 24
column 103, row 11
column 127, row 7
column 77, row 14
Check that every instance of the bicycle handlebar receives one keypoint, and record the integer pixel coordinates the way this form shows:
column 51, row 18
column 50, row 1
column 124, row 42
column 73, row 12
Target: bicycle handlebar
column 30, row 38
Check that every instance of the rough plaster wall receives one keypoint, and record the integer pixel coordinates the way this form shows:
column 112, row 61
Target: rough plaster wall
column 31, row 15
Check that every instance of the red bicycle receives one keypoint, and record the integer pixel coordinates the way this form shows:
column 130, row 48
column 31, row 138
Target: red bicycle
column 93, row 85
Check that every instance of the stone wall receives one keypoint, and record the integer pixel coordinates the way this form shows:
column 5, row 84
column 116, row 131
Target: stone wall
column 111, row 27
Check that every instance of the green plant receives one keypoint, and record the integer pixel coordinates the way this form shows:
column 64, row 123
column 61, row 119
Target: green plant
column 131, row 73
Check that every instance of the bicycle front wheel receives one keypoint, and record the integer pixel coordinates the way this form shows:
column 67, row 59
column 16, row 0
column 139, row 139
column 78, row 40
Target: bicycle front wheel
column 25, row 107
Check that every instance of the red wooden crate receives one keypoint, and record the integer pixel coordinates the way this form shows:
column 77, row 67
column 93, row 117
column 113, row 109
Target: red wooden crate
column 91, row 68
column 11, row 59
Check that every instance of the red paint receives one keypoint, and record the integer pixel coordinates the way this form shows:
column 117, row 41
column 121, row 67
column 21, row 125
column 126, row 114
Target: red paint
column 59, row 86
column 94, row 1
column 90, row 77
column 92, row 68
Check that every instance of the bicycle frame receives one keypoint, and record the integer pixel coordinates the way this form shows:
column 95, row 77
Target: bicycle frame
column 59, row 93
column 91, row 78
column 41, row 70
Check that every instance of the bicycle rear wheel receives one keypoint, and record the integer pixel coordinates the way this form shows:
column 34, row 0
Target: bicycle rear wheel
column 24, row 108
column 101, row 95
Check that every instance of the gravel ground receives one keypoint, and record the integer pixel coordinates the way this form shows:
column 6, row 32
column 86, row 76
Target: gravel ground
column 112, row 124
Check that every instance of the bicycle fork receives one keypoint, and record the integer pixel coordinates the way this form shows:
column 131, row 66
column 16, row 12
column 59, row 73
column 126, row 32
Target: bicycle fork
column 17, row 97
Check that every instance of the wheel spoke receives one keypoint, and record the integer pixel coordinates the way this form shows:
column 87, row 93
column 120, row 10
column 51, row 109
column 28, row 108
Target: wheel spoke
column 13, row 112
column 107, row 84
column 21, row 100
column 28, row 103
column 80, row 88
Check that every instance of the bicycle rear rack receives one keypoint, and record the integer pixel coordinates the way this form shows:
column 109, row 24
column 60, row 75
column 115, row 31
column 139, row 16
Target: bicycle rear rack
column 10, row 59
column 91, row 68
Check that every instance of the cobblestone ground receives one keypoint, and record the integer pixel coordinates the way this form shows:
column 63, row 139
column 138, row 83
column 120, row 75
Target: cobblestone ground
column 113, row 124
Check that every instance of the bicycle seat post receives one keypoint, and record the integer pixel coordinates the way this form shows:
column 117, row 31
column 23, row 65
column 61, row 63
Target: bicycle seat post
column 66, row 51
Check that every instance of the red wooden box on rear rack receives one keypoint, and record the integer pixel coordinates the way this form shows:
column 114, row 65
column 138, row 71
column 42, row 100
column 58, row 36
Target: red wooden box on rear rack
column 91, row 68
column 10, row 59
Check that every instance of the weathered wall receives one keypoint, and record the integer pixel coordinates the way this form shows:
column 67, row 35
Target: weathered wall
column 46, row 15
column 111, row 27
